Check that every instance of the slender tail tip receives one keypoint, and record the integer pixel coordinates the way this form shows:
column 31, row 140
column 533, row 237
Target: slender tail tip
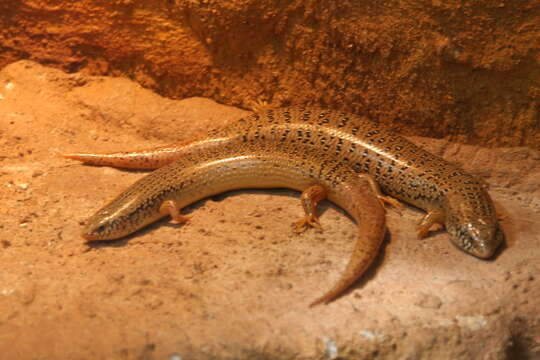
column 322, row 300
column 79, row 157
column 70, row 156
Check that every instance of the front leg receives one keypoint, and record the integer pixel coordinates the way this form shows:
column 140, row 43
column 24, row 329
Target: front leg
column 431, row 218
column 170, row 207
column 310, row 198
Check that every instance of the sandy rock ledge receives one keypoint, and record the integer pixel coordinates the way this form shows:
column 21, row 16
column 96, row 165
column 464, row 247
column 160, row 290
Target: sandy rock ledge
column 236, row 281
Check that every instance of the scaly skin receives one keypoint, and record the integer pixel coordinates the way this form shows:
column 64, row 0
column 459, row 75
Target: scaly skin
column 324, row 146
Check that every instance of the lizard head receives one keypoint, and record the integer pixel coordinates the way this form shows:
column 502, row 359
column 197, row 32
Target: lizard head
column 103, row 226
column 121, row 217
column 476, row 237
column 473, row 226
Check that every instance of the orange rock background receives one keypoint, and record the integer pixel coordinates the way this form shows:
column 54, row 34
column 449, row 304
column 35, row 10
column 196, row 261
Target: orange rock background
column 236, row 281
column 466, row 70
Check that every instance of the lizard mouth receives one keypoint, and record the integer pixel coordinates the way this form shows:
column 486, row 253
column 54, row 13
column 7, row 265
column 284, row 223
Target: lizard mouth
column 90, row 237
column 482, row 251
column 95, row 232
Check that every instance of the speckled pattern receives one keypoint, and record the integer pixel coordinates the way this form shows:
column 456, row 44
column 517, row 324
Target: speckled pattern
column 298, row 148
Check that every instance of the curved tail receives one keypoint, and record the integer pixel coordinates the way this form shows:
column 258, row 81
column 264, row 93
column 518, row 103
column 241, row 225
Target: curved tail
column 369, row 213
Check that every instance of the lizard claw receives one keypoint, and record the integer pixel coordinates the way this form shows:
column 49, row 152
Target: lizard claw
column 304, row 223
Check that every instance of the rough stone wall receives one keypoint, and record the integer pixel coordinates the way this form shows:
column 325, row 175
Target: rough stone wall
column 469, row 70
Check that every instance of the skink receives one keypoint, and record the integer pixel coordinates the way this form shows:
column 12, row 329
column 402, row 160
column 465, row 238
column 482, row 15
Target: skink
column 325, row 154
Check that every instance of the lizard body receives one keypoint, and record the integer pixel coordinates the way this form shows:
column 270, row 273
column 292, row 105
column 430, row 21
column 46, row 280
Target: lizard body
column 323, row 153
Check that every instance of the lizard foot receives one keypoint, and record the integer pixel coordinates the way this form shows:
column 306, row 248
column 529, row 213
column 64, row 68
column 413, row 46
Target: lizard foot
column 304, row 223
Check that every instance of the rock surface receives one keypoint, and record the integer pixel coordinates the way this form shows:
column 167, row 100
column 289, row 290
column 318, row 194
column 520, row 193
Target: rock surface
column 235, row 282
column 474, row 65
